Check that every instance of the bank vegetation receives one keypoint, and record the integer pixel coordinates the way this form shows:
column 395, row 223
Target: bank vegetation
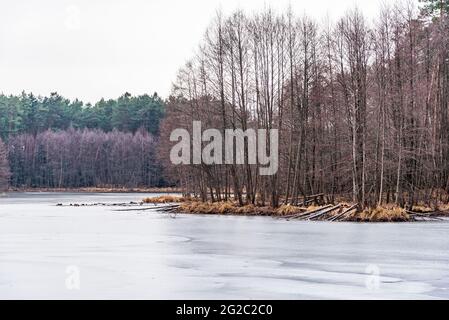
column 361, row 107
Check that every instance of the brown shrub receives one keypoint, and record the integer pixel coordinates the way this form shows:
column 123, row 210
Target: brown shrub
column 381, row 214
column 287, row 210
column 422, row 209
column 164, row 199
column 198, row 207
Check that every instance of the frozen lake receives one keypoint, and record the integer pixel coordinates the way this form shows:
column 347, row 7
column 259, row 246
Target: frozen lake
column 97, row 253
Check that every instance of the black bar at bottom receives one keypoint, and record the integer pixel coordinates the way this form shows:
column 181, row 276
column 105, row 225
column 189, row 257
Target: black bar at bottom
column 213, row 309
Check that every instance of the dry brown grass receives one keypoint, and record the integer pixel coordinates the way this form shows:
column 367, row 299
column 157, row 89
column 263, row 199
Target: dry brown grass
column 443, row 206
column 422, row 209
column 223, row 208
column 245, row 210
column 229, row 207
column 164, row 199
column 313, row 207
column 287, row 210
column 207, row 207
column 381, row 214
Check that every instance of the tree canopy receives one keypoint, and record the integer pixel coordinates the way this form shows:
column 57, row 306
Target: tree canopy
column 433, row 7
column 361, row 108
column 32, row 114
column 55, row 142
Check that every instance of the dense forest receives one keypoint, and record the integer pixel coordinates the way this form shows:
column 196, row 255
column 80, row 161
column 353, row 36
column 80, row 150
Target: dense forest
column 54, row 142
column 4, row 167
column 30, row 114
column 361, row 107
column 84, row 158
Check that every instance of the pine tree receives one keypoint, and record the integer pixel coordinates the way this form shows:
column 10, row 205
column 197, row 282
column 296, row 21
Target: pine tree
column 435, row 7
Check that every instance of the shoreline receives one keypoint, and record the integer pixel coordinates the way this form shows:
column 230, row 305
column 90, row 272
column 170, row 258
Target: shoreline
column 341, row 212
column 169, row 201
column 322, row 214
column 167, row 190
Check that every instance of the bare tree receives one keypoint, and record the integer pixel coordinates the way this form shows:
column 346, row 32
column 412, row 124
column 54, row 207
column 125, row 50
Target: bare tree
column 4, row 167
column 361, row 109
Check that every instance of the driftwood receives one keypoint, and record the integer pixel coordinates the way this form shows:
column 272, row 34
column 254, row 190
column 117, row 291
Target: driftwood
column 308, row 213
column 341, row 215
column 314, row 198
column 291, row 215
column 319, row 195
column 307, row 199
column 123, row 204
column 426, row 216
column 307, row 202
column 160, row 208
column 323, row 212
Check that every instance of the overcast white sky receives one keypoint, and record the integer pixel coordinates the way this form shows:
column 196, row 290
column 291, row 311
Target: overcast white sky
column 91, row 49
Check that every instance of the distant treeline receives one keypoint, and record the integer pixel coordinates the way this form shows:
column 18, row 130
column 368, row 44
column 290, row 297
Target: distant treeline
column 84, row 158
column 54, row 142
column 28, row 113
column 4, row 167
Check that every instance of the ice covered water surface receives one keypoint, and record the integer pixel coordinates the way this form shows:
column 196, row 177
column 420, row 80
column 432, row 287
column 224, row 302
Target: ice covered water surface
column 96, row 253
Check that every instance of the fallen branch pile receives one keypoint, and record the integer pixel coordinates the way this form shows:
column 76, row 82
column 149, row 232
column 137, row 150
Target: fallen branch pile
column 330, row 212
column 325, row 213
column 427, row 216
